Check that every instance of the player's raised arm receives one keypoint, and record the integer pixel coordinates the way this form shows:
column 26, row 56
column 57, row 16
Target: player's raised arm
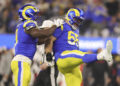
column 35, row 32
column 48, row 28
column 47, row 24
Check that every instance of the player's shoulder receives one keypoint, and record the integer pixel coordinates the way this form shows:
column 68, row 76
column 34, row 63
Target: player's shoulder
column 27, row 24
column 65, row 26
column 19, row 24
column 62, row 27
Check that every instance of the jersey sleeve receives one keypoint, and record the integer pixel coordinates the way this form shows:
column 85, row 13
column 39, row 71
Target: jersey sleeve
column 58, row 31
column 29, row 24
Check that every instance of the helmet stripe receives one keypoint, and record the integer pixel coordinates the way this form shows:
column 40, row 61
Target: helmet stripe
column 77, row 13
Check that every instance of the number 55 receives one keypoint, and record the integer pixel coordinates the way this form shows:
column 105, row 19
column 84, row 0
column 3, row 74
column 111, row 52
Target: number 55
column 72, row 38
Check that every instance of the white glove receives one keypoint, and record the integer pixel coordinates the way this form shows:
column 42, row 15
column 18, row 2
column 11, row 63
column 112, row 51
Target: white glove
column 47, row 23
column 58, row 22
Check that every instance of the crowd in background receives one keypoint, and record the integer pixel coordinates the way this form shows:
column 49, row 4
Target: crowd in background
column 5, row 71
column 102, row 18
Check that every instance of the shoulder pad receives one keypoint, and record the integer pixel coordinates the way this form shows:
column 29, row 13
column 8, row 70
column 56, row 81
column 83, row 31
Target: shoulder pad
column 29, row 24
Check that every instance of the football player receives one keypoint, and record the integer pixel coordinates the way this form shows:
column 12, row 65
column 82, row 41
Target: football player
column 65, row 47
column 27, row 36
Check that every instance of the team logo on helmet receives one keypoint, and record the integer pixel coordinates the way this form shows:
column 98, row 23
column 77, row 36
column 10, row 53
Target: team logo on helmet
column 28, row 12
column 74, row 13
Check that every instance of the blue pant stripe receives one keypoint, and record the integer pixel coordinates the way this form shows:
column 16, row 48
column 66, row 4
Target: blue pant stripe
column 87, row 58
column 19, row 73
column 71, row 55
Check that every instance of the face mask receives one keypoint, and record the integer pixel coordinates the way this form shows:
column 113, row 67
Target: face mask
column 77, row 23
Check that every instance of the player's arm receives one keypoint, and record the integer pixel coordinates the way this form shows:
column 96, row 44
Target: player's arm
column 35, row 32
column 42, row 40
column 46, row 24
column 48, row 48
column 56, row 34
column 49, row 43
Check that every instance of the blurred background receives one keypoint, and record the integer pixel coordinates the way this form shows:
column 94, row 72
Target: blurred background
column 102, row 23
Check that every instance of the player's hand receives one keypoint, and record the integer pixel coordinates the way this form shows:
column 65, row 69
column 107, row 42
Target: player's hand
column 44, row 66
column 58, row 22
column 49, row 57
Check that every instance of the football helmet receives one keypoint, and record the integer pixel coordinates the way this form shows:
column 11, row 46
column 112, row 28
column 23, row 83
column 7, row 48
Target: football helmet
column 75, row 16
column 28, row 11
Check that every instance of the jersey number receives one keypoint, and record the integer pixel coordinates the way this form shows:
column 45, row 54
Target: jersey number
column 72, row 38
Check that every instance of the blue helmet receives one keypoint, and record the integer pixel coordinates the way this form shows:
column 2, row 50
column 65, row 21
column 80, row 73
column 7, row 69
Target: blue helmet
column 27, row 12
column 74, row 13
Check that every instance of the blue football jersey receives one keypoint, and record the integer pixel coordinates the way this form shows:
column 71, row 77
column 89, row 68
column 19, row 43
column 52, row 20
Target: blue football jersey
column 66, row 39
column 25, row 43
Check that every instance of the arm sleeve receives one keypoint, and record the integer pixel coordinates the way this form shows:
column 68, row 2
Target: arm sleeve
column 58, row 31
column 29, row 24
